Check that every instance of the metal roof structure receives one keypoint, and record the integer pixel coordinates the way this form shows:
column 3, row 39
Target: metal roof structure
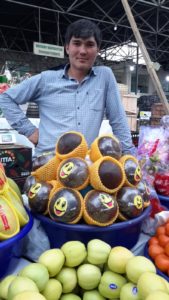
column 23, row 22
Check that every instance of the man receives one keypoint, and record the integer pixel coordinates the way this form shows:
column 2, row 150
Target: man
column 74, row 98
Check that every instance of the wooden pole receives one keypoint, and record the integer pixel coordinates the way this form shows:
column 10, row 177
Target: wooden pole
column 149, row 63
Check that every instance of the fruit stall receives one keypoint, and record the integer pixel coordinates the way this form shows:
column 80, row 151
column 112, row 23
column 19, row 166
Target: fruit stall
column 89, row 223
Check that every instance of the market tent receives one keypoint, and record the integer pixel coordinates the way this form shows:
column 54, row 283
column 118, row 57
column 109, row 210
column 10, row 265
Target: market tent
column 23, row 22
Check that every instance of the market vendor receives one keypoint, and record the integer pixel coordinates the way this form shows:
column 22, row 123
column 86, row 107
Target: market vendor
column 74, row 98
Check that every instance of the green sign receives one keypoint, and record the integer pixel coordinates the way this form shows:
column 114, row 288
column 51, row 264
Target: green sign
column 48, row 50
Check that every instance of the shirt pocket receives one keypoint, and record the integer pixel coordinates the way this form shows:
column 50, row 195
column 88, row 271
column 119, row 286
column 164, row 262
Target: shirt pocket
column 96, row 99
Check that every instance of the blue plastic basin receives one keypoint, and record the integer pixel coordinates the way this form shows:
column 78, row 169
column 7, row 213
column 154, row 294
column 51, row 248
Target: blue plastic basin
column 124, row 233
column 13, row 247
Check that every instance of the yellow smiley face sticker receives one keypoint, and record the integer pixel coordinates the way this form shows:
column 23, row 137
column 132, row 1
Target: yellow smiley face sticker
column 106, row 200
column 137, row 174
column 66, row 170
column 138, row 202
column 60, row 206
column 34, row 190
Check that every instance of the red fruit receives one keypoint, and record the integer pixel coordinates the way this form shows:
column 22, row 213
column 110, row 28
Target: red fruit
column 162, row 262
column 163, row 239
column 154, row 250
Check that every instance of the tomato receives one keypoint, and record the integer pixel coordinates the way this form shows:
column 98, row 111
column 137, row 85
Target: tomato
column 154, row 250
column 163, row 239
column 162, row 262
column 166, row 249
column 167, row 228
column 160, row 230
column 153, row 240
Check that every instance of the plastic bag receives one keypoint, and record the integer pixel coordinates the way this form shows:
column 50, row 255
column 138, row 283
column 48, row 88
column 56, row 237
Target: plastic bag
column 36, row 242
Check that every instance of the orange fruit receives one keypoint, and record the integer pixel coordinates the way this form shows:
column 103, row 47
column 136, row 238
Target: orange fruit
column 162, row 262
column 154, row 250
column 160, row 230
column 166, row 249
column 167, row 228
column 163, row 239
column 153, row 240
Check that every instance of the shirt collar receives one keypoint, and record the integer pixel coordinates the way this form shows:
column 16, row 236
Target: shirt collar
column 65, row 75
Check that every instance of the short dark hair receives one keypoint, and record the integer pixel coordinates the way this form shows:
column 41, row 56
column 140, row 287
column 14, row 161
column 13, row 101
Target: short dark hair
column 83, row 29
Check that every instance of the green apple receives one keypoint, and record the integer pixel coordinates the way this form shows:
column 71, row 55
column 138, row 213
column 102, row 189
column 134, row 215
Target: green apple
column 166, row 284
column 94, row 295
column 97, row 252
column 52, row 290
column 70, row 296
column 157, row 295
column 37, row 272
column 118, row 259
column 4, row 285
column 53, row 260
column 111, row 284
column 149, row 282
column 75, row 253
column 29, row 296
column 129, row 291
column 136, row 266
column 68, row 278
column 21, row 284
column 88, row 276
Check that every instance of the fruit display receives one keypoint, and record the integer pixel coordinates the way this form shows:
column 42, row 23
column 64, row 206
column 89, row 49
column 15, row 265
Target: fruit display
column 13, row 214
column 92, row 272
column 101, row 175
column 158, row 248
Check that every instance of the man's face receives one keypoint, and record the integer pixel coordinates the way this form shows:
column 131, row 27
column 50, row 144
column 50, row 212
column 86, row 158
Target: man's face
column 82, row 53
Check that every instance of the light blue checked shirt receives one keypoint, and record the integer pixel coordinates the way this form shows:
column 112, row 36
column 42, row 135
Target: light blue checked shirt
column 65, row 105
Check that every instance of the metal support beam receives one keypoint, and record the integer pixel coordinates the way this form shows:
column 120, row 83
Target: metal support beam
column 147, row 59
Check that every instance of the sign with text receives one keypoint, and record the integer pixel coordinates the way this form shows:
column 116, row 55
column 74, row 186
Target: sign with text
column 48, row 50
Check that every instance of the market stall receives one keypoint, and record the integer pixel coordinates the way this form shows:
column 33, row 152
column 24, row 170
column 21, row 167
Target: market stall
column 101, row 221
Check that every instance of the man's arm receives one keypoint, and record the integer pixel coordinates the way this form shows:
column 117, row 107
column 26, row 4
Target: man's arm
column 28, row 90
column 33, row 138
column 117, row 116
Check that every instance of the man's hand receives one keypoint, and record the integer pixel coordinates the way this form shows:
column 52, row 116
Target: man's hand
column 33, row 138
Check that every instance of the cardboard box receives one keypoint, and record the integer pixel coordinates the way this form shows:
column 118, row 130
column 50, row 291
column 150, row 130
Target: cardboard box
column 132, row 121
column 17, row 161
column 123, row 88
column 130, row 103
column 20, row 182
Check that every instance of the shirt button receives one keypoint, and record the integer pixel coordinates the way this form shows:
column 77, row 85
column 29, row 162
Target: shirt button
column 78, row 123
column 77, row 92
column 78, row 107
